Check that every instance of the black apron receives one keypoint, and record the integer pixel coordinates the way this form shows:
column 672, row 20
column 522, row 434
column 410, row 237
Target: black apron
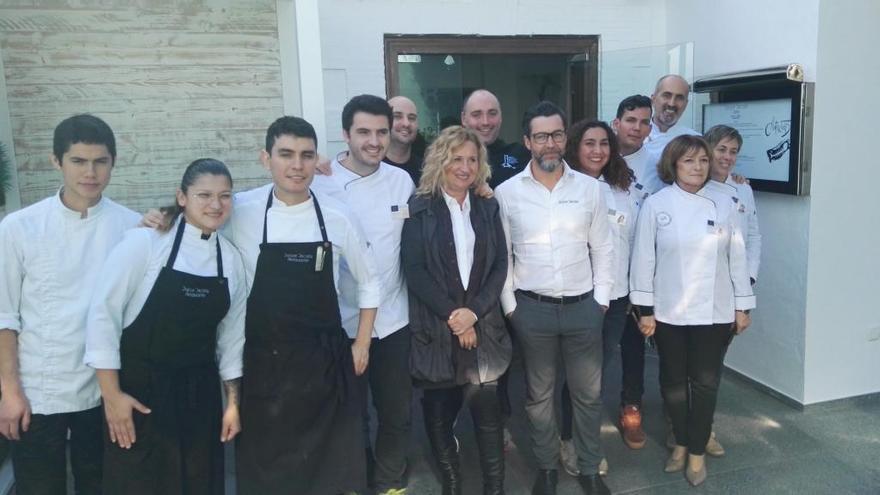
column 168, row 364
column 301, row 421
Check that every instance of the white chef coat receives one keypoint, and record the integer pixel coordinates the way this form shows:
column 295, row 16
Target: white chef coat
column 128, row 277
column 462, row 235
column 748, row 208
column 51, row 263
column 658, row 139
column 643, row 163
column 558, row 242
column 623, row 211
column 379, row 203
column 299, row 223
column 689, row 260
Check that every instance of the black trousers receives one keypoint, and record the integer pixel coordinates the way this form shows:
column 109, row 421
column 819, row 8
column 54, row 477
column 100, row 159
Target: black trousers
column 391, row 390
column 691, row 358
column 39, row 459
column 632, row 357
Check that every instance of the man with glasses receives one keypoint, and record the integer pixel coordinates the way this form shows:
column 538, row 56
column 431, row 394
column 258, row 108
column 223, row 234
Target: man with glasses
column 557, row 290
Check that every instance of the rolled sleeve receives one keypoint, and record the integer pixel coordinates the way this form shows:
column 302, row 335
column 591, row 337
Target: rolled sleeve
column 359, row 257
column 121, row 275
column 230, row 331
column 11, row 279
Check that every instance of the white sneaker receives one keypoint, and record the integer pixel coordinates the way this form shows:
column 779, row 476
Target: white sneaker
column 603, row 467
column 568, row 457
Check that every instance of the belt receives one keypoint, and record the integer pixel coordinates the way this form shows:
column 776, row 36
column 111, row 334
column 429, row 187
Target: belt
column 555, row 300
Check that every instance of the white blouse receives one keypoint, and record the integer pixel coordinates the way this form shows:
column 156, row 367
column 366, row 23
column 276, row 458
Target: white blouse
column 463, row 235
column 128, row 277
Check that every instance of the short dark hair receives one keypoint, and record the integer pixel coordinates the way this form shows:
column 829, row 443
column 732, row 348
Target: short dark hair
column 677, row 148
column 82, row 128
column 633, row 102
column 541, row 109
column 370, row 104
column 719, row 133
column 617, row 173
column 290, row 126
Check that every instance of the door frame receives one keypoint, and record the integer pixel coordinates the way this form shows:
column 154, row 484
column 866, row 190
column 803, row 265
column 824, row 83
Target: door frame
column 588, row 45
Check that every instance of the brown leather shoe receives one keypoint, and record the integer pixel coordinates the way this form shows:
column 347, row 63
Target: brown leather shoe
column 631, row 427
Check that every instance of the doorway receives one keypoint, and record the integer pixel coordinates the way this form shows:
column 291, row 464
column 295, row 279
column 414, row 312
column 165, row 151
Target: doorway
column 438, row 71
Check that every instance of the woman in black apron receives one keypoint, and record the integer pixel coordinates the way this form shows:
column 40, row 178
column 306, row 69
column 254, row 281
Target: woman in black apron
column 301, row 413
column 171, row 442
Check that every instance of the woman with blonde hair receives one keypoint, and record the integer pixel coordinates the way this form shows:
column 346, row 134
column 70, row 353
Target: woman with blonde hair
column 455, row 261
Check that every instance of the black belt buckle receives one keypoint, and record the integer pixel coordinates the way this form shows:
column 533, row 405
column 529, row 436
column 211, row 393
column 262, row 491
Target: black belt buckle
column 555, row 300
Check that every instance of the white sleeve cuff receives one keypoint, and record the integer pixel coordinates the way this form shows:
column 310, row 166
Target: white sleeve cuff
column 508, row 301
column 602, row 295
column 369, row 295
column 639, row 298
column 10, row 321
column 742, row 303
column 231, row 372
column 102, row 360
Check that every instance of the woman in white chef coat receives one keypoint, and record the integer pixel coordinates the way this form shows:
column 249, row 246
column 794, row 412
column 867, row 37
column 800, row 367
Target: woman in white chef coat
column 689, row 279
column 592, row 149
column 726, row 143
column 166, row 324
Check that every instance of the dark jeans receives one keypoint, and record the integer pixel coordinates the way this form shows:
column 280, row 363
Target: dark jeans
column 39, row 459
column 391, row 389
column 632, row 356
column 612, row 329
column 691, row 358
column 548, row 334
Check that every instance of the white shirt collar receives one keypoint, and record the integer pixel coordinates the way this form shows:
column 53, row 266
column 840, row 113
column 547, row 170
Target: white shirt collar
column 567, row 171
column 191, row 232
column 92, row 210
column 453, row 203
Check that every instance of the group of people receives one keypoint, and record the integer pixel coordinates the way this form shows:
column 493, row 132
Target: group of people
column 381, row 268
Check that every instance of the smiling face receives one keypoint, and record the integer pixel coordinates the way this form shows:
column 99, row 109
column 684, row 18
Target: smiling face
column 692, row 170
column 86, row 171
column 482, row 113
column 594, row 151
column 670, row 99
column 632, row 128
column 724, row 154
column 207, row 202
column 461, row 171
column 368, row 138
column 406, row 120
column 292, row 163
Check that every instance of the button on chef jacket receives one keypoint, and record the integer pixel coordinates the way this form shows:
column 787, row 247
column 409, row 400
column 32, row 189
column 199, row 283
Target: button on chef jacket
column 299, row 223
column 379, row 203
column 128, row 277
column 691, row 271
column 51, row 263
column 558, row 242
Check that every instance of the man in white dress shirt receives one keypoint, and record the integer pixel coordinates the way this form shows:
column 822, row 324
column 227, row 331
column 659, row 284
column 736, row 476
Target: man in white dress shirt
column 377, row 195
column 52, row 252
column 560, row 276
column 670, row 100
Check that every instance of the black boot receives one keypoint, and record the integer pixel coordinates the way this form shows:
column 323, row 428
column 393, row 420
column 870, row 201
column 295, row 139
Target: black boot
column 486, row 413
column 438, row 424
column 545, row 482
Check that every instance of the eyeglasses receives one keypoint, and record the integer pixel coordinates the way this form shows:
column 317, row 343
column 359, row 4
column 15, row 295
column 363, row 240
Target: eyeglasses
column 542, row 137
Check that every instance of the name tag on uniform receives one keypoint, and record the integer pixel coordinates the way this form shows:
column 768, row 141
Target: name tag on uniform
column 616, row 217
column 400, row 211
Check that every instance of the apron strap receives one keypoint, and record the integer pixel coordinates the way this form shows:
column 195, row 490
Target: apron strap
column 317, row 211
column 219, row 257
column 176, row 246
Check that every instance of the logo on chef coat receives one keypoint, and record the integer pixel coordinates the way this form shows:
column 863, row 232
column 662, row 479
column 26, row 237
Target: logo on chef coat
column 664, row 219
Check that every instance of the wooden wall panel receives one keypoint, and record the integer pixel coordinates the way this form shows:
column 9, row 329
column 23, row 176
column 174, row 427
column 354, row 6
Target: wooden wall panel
column 176, row 79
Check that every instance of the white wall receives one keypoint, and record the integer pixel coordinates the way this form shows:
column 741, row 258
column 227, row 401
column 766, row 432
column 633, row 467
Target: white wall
column 728, row 36
column 352, row 33
column 844, row 268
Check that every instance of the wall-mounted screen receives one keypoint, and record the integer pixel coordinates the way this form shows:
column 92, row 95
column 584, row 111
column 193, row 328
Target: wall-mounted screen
column 765, row 126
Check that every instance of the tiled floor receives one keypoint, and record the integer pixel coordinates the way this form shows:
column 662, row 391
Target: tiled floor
column 772, row 448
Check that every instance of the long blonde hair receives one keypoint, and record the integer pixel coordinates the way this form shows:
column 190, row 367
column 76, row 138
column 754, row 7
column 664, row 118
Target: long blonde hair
column 439, row 156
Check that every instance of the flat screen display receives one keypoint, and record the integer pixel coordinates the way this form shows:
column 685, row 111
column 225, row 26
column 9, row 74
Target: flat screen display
column 765, row 126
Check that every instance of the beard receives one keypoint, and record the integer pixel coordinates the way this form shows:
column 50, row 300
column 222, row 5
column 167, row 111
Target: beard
column 668, row 119
column 548, row 165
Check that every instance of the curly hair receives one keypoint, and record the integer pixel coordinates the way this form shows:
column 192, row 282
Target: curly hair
column 616, row 172
column 439, row 156
column 677, row 148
